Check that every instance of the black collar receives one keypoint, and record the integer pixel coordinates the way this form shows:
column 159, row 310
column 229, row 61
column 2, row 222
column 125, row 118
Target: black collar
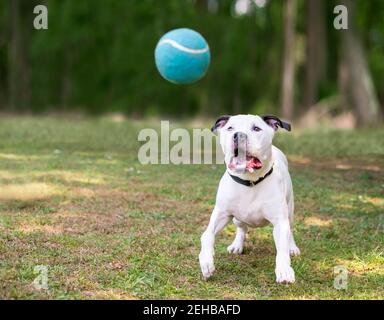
column 250, row 183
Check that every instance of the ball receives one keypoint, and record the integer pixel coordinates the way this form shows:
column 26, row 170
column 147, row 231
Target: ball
column 182, row 56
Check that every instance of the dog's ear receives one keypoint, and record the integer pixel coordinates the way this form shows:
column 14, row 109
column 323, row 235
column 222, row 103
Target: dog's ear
column 275, row 122
column 220, row 122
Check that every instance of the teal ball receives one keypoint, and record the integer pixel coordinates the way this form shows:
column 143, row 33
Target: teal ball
column 182, row 56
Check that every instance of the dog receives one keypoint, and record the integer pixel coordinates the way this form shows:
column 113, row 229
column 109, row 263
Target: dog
column 255, row 190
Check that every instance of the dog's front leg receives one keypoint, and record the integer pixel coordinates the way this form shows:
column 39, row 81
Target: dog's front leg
column 281, row 235
column 237, row 245
column 218, row 221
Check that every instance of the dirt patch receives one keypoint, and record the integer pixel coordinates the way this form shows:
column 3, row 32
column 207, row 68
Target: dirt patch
column 27, row 192
column 109, row 211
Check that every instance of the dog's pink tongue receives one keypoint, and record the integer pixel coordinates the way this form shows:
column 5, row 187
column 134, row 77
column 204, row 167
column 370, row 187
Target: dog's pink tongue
column 249, row 163
column 253, row 163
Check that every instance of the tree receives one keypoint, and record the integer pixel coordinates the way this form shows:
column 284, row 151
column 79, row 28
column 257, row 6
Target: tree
column 3, row 53
column 287, row 87
column 19, row 69
column 355, row 81
column 316, row 46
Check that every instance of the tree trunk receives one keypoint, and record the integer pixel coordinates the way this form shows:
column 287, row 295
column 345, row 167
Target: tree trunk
column 66, row 84
column 13, row 54
column 19, row 84
column 355, row 81
column 3, row 62
column 287, row 87
column 201, row 4
column 315, row 70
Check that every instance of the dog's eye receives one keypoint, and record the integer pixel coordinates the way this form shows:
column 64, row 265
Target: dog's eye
column 230, row 128
column 256, row 128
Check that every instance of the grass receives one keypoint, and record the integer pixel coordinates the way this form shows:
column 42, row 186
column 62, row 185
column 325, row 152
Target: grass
column 74, row 197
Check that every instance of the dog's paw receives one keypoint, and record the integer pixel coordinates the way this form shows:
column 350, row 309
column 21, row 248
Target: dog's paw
column 235, row 248
column 294, row 250
column 207, row 266
column 285, row 274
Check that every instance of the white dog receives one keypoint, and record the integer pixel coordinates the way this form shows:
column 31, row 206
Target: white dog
column 255, row 189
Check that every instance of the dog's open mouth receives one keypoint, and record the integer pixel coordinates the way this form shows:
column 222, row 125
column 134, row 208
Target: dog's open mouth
column 242, row 162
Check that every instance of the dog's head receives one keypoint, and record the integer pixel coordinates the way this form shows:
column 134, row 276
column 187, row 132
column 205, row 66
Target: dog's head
column 246, row 140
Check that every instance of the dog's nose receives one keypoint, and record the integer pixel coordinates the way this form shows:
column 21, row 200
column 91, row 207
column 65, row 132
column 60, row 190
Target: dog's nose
column 239, row 136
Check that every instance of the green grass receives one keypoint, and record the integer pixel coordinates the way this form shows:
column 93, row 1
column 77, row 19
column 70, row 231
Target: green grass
column 74, row 197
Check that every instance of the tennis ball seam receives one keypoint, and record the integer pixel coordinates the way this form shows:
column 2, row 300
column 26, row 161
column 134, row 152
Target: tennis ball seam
column 180, row 47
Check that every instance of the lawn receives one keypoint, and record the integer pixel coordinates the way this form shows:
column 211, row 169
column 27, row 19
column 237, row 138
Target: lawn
column 74, row 198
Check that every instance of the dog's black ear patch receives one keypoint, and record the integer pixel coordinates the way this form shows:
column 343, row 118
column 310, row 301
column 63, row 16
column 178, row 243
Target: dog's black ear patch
column 220, row 122
column 275, row 122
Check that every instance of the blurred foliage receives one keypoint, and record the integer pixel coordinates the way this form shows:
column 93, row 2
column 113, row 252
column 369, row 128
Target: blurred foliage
column 98, row 56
